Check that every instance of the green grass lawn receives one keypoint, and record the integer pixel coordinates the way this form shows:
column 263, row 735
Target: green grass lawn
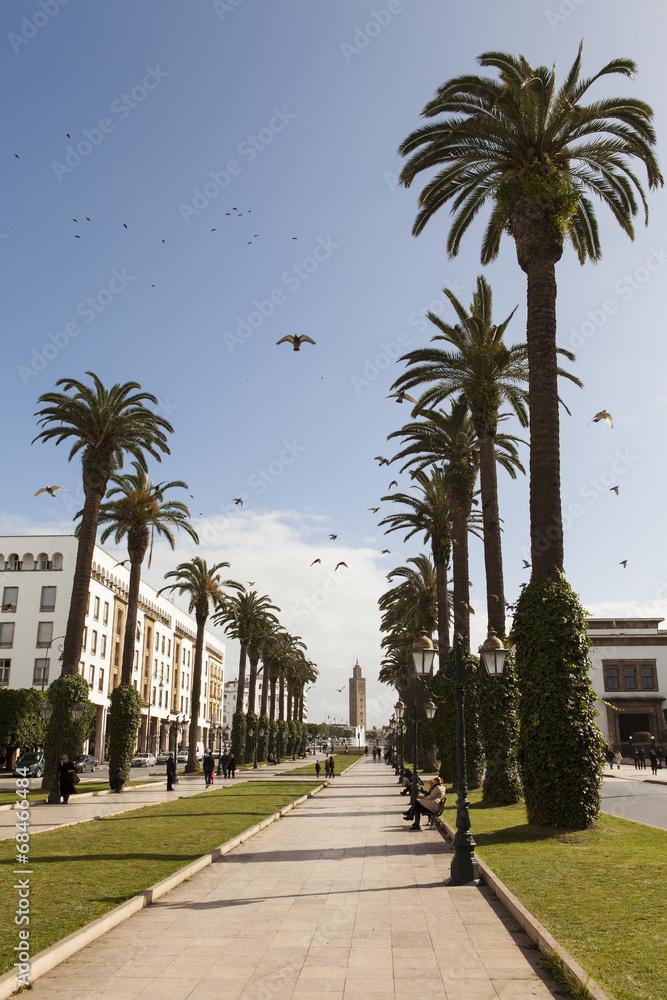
column 341, row 762
column 600, row 892
column 83, row 871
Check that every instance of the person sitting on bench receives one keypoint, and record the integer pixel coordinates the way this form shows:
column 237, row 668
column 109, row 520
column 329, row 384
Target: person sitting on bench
column 425, row 804
column 407, row 781
column 117, row 781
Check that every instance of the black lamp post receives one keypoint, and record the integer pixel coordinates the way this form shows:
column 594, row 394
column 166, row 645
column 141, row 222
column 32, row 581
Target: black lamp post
column 47, row 712
column 423, row 654
column 399, row 708
column 464, row 870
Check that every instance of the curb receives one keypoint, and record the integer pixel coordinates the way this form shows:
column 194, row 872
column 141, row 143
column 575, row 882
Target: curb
column 87, row 795
column 530, row 924
column 637, row 781
column 56, row 953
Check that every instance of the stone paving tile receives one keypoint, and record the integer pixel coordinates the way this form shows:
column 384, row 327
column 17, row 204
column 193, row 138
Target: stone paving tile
column 334, row 902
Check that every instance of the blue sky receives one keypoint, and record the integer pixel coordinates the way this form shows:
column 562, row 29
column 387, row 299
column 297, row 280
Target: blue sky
column 288, row 115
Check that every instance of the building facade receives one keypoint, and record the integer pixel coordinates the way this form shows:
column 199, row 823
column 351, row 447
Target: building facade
column 629, row 675
column 357, row 689
column 36, row 575
column 229, row 700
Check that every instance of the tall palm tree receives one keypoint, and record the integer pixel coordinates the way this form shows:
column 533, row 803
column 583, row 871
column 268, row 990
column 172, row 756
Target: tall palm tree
column 486, row 373
column 139, row 511
column 245, row 617
column 429, row 513
column 103, row 426
column 533, row 151
column 204, row 589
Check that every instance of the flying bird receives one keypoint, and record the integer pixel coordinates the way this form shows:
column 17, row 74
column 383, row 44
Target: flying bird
column 602, row 415
column 614, row 489
column 251, row 583
column 238, row 501
column 296, row 341
column 213, row 230
column 526, row 564
column 394, row 482
column 340, row 689
column 124, row 226
column 50, row 490
column 333, row 537
column 623, row 563
column 75, row 220
column 381, row 460
column 87, row 219
column 374, row 509
column 121, row 563
column 77, row 237
column 467, row 606
column 341, row 564
column 400, row 396
column 17, row 156
column 67, row 135
column 385, row 552
column 315, row 561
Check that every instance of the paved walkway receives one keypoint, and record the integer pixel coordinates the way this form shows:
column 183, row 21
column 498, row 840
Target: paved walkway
column 85, row 807
column 337, row 901
column 630, row 773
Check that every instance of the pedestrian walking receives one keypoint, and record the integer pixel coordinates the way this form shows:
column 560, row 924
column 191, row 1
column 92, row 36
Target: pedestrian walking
column 231, row 766
column 636, row 760
column 208, row 764
column 171, row 772
column 618, row 759
column 331, row 766
column 653, row 757
column 317, row 768
column 609, row 754
column 224, row 761
column 68, row 778
column 366, row 750
column 642, row 759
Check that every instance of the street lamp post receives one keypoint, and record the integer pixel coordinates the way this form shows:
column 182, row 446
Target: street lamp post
column 464, row 870
column 423, row 654
column 400, row 712
column 47, row 712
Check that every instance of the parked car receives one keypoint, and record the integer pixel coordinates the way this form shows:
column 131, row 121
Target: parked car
column 182, row 757
column 31, row 765
column 162, row 758
column 84, row 762
column 142, row 760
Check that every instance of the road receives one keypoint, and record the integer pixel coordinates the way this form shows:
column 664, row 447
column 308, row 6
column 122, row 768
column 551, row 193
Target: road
column 640, row 801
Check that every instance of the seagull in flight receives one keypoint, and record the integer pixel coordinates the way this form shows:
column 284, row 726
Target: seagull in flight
column 614, row 489
column 602, row 415
column 381, row 460
column 394, row 482
column 295, row 341
column 623, row 563
column 50, row 490
column 526, row 564
column 341, row 564
column 238, row 501
column 374, row 509
column 315, row 561
column 401, row 396
column 333, row 537
column 338, row 690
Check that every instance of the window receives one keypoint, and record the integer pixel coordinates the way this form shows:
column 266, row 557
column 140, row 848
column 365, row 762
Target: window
column 163, row 642
column 7, row 634
column 91, row 675
column 160, row 699
column 119, row 623
column 157, row 642
column 629, row 678
column 93, row 643
column 168, row 647
column 44, row 634
column 153, row 698
column 85, row 636
column 6, row 661
column 100, row 683
column 648, row 679
column 103, row 647
column 5, row 667
column 105, row 613
column 10, row 596
column 96, row 609
column 41, row 672
column 48, row 599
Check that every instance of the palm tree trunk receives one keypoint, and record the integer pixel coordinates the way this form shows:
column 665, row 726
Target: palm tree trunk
column 461, row 571
column 195, row 694
column 252, row 677
column 493, row 555
column 539, row 246
column 265, row 688
column 272, row 710
column 300, row 716
column 80, row 597
column 441, row 554
column 240, row 687
column 281, row 695
column 137, row 551
column 290, row 700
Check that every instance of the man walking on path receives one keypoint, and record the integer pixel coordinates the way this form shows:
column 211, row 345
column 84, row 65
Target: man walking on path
column 171, row 772
column 208, row 765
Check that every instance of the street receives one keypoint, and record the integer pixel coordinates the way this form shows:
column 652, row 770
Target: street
column 639, row 801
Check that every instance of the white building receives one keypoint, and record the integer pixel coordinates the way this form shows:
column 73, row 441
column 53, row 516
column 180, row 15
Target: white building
column 629, row 675
column 36, row 575
column 229, row 700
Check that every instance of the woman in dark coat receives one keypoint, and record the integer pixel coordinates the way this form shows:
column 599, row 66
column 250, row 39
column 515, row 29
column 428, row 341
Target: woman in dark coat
column 231, row 766
column 67, row 772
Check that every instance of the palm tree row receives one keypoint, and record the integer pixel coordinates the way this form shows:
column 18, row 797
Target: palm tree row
column 532, row 151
